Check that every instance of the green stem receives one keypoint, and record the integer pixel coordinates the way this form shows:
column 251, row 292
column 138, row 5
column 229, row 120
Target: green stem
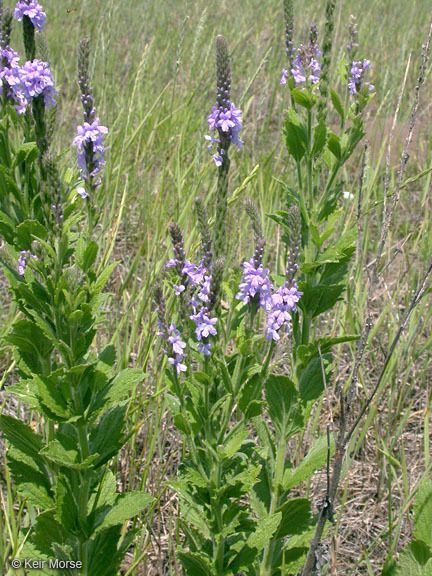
column 266, row 565
column 219, row 541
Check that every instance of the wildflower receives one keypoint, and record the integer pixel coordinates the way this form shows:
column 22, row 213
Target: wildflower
column 255, row 282
column 281, row 304
column 90, row 148
column 205, row 348
column 356, row 80
column 24, row 256
column 194, row 274
column 284, row 77
column 304, row 64
column 204, row 324
column 31, row 80
column 81, row 191
column 33, row 10
column 224, row 120
column 177, row 344
column 177, row 363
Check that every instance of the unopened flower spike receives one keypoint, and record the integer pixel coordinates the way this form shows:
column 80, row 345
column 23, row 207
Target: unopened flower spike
column 353, row 36
column 204, row 230
column 289, row 32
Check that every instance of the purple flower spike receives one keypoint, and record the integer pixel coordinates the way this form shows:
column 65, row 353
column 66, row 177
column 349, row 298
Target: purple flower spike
column 227, row 121
column 356, row 80
column 90, row 135
column 282, row 303
column 255, row 282
column 204, row 324
column 33, row 10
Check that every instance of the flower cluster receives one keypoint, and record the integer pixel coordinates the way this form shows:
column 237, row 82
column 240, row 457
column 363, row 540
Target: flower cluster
column 24, row 256
column 177, row 346
column 26, row 82
column 306, row 66
column 255, row 283
column 278, row 305
column 199, row 283
column 356, row 79
column 225, row 120
column 90, row 148
column 33, row 10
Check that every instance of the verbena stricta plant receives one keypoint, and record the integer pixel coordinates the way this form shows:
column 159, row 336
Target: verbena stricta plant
column 75, row 399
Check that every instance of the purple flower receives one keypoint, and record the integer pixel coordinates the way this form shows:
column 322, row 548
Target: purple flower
column 90, row 135
column 356, row 79
column 177, row 344
column 24, row 256
column 281, row 304
column 32, row 80
column 33, row 10
column 194, row 273
column 204, row 324
column 227, row 121
column 205, row 348
column 306, row 66
column 255, row 282
column 284, row 77
column 178, row 289
column 177, row 363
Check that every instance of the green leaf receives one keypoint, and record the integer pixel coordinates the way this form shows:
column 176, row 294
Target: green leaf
column 234, row 443
column 31, row 344
column 67, row 456
column 320, row 297
column 108, row 437
column 337, row 103
column 320, row 138
column 123, row 383
column 334, row 145
column 67, row 508
column 311, row 378
column 415, row 560
column 30, row 477
column 295, row 134
column 107, row 551
column 125, row 507
column 26, row 232
column 195, row 564
column 314, row 459
column 27, row 152
column 89, row 257
column 45, row 532
column 50, row 397
column 283, row 404
column 20, row 435
column 303, row 98
column 265, row 529
column 296, row 517
column 423, row 512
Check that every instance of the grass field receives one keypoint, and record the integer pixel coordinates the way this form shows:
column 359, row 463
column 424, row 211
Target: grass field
column 154, row 84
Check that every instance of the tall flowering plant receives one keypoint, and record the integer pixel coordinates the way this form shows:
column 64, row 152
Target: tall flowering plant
column 74, row 399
